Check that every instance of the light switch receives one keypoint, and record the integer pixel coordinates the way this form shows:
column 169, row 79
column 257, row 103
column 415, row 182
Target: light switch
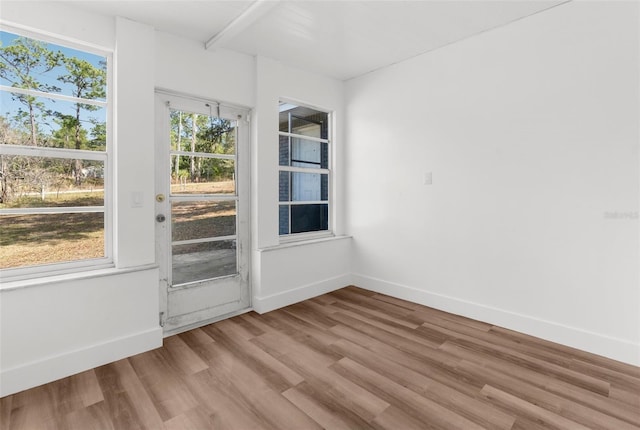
column 428, row 178
column 136, row 199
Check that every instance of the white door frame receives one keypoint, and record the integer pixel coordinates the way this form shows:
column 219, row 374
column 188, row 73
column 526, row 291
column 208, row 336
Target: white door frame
column 198, row 303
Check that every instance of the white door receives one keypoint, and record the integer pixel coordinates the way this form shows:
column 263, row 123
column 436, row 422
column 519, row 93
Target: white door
column 202, row 216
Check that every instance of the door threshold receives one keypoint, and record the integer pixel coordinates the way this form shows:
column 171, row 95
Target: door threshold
column 203, row 323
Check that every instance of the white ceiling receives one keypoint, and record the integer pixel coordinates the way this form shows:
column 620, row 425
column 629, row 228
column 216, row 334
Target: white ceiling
column 342, row 39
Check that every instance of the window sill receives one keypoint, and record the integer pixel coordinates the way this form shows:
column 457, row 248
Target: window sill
column 45, row 280
column 305, row 237
column 309, row 240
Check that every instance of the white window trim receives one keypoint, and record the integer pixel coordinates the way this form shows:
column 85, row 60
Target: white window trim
column 63, row 276
column 53, row 96
column 35, row 272
column 330, row 141
column 307, row 236
column 305, row 169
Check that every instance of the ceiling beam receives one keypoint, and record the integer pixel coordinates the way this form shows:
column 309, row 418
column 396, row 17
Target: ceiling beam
column 249, row 16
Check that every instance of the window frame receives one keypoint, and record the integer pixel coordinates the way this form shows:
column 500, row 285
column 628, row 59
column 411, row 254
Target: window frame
column 42, row 270
column 329, row 171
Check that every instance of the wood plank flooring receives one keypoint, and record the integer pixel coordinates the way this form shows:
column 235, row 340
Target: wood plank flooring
column 351, row 359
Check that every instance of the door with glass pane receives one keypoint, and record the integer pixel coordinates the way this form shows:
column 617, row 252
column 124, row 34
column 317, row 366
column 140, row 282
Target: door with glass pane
column 202, row 224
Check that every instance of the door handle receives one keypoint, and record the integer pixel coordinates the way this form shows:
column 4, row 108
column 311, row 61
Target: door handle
column 160, row 218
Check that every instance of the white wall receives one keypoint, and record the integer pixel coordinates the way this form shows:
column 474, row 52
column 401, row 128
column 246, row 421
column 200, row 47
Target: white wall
column 282, row 275
column 531, row 132
column 49, row 331
column 184, row 66
column 57, row 326
column 134, row 143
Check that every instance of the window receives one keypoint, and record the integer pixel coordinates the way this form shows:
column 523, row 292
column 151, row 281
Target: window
column 305, row 171
column 54, row 158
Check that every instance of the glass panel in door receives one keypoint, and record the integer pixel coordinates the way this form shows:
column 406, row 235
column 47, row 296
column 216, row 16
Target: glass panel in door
column 203, row 197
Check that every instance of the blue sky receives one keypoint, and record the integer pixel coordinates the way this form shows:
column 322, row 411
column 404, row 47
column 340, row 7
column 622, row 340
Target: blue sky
column 9, row 106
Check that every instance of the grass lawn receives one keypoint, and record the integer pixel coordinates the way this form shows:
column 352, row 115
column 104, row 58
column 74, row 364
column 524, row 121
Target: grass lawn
column 47, row 242
column 27, row 240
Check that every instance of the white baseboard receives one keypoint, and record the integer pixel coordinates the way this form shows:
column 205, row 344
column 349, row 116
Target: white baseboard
column 40, row 372
column 289, row 297
column 617, row 349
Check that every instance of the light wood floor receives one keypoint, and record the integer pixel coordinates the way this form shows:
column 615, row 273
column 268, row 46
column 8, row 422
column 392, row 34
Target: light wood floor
column 351, row 359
